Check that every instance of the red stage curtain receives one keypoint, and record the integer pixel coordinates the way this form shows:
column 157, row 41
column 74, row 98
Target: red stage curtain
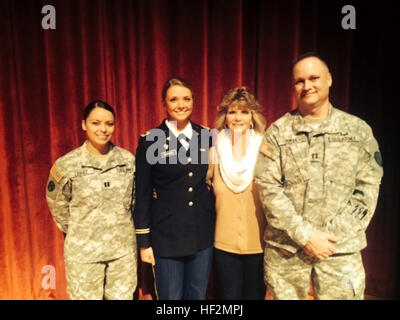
column 122, row 52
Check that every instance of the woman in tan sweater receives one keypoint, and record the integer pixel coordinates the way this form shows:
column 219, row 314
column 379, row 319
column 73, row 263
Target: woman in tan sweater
column 240, row 219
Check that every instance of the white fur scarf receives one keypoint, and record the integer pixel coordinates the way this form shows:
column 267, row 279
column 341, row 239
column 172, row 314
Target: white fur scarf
column 237, row 175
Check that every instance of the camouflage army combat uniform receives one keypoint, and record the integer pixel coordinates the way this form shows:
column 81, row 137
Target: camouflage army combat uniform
column 323, row 179
column 90, row 198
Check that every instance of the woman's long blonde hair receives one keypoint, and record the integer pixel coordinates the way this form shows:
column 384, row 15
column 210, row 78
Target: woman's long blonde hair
column 240, row 97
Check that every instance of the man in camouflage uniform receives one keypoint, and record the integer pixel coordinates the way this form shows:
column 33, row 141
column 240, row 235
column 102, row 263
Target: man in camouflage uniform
column 90, row 198
column 318, row 173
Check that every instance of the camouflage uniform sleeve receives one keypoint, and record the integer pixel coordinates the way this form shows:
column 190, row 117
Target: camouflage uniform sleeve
column 280, row 212
column 143, row 194
column 58, row 196
column 360, row 208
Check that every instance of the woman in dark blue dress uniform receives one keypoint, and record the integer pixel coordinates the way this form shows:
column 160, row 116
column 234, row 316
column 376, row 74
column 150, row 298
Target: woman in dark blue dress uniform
column 174, row 209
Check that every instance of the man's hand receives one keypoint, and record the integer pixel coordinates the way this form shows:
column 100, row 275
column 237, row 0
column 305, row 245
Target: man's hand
column 147, row 255
column 321, row 245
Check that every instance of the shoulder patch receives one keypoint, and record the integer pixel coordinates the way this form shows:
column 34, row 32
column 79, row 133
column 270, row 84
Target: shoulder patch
column 51, row 186
column 56, row 173
column 145, row 134
column 267, row 149
column 378, row 158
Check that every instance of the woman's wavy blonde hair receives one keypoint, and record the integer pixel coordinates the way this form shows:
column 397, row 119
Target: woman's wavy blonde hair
column 240, row 97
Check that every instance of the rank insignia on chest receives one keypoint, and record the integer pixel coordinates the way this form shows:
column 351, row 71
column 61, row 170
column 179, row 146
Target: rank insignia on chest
column 267, row 149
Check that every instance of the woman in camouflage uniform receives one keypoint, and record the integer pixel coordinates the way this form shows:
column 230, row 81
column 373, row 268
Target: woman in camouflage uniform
column 89, row 193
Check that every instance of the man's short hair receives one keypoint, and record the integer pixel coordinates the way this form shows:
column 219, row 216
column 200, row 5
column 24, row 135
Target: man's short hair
column 309, row 55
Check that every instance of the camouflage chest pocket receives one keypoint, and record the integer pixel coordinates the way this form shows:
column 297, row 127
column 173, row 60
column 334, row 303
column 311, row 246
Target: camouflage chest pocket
column 86, row 184
column 341, row 169
column 341, row 161
column 294, row 161
column 117, row 184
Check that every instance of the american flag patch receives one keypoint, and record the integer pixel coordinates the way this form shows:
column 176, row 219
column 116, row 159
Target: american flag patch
column 267, row 149
column 56, row 173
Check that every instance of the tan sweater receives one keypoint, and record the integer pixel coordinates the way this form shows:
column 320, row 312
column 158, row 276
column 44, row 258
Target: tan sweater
column 240, row 218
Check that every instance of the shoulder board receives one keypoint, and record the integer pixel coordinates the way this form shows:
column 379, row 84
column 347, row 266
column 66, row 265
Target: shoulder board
column 267, row 149
column 56, row 173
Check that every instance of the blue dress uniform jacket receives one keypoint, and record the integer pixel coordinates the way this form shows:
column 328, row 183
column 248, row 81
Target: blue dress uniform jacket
column 174, row 209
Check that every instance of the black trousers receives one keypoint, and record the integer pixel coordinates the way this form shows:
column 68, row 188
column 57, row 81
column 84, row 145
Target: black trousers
column 240, row 276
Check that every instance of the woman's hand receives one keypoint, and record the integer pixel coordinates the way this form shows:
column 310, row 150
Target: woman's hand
column 147, row 255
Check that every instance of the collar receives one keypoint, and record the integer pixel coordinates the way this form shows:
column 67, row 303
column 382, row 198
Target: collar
column 328, row 125
column 112, row 159
column 188, row 131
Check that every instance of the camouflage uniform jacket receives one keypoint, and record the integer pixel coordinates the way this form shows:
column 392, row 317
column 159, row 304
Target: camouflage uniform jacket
column 92, row 204
column 327, row 180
